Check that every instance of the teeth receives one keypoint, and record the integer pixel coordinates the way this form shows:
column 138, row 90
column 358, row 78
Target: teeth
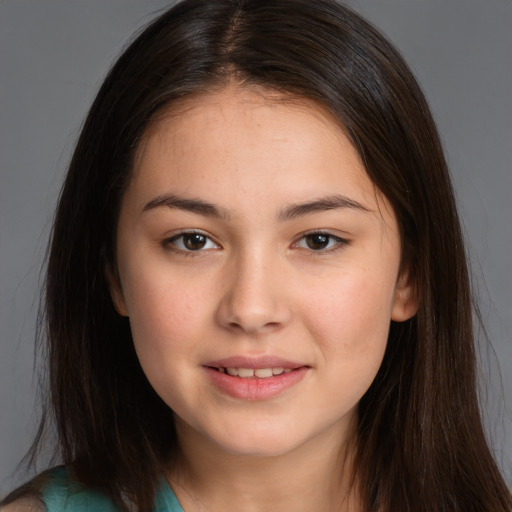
column 245, row 373
column 261, row 373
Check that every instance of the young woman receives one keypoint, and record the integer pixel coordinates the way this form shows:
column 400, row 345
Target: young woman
column 257, row 296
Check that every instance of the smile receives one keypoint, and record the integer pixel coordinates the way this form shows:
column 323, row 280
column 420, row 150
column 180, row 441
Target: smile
column 249, row 373
column 252, row 381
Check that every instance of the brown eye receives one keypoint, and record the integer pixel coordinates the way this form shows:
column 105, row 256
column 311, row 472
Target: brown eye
column 191, row 242
column 194, row 241
column 317, row 241
column 320, row 241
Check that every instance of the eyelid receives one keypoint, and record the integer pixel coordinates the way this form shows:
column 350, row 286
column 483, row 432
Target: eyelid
column 169, row 242
column 340, row 241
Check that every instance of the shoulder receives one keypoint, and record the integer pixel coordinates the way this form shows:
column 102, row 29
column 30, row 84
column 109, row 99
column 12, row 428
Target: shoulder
column 26, row 498
column 57, row 491
column 26, row 504
column 62, row 492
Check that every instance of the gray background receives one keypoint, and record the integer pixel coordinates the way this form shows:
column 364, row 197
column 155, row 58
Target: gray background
column 53, row 56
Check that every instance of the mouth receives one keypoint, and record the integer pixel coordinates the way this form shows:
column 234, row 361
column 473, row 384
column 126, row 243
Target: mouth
column 259, row 378
column 250, row 373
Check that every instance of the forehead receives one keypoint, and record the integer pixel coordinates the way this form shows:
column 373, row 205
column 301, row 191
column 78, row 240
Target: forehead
column 259, row 143
column 236, row 104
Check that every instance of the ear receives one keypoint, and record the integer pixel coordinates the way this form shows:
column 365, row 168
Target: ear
column 116, row 293
column 405, row 304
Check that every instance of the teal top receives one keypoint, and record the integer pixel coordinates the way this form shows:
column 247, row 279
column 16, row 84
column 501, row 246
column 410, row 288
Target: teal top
column 62, row 494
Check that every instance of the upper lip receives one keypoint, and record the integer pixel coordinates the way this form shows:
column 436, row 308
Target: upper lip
column 254, row 362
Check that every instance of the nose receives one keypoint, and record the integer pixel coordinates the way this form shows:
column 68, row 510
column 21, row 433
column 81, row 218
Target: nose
column 254, row 300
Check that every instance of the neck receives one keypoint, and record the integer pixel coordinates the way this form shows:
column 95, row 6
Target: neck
column 314, row 476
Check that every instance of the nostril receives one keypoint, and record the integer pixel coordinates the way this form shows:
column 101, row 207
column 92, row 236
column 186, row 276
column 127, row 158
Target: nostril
column 253, row 327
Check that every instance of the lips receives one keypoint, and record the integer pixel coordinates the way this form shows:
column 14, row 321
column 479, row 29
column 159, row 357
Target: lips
column 254, row 362
column 248, row 373
column 258, row 378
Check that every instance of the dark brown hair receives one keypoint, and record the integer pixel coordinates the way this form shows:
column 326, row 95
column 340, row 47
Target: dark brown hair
column 420, row 444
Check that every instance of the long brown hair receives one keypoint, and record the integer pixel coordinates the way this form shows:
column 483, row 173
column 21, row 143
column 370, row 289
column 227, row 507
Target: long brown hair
column 420, row 444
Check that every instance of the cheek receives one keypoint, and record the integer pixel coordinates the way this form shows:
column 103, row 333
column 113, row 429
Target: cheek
column 165, row 324
column 351, row 326
column 352, row 311
column 164, row 314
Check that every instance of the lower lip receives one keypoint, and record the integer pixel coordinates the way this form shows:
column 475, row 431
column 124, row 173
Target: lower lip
column 255, row 388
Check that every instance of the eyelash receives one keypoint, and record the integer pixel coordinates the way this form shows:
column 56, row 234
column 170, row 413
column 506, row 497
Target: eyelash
column 338, row 242
column 171, row 244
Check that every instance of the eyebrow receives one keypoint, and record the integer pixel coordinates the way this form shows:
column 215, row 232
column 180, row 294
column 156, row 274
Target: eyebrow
column 188, row 204
column 289, row 212
column 333, row 202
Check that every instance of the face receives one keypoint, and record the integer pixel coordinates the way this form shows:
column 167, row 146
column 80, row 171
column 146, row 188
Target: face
column 260, row 269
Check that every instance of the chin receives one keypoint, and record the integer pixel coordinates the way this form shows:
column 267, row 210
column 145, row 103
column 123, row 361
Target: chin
column 266, row 441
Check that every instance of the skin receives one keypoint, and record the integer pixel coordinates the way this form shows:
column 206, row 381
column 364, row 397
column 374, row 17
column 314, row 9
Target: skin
column 259, row 286
column 24, row 505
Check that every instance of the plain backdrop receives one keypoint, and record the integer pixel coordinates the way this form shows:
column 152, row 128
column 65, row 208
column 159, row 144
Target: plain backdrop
column 53, row 56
